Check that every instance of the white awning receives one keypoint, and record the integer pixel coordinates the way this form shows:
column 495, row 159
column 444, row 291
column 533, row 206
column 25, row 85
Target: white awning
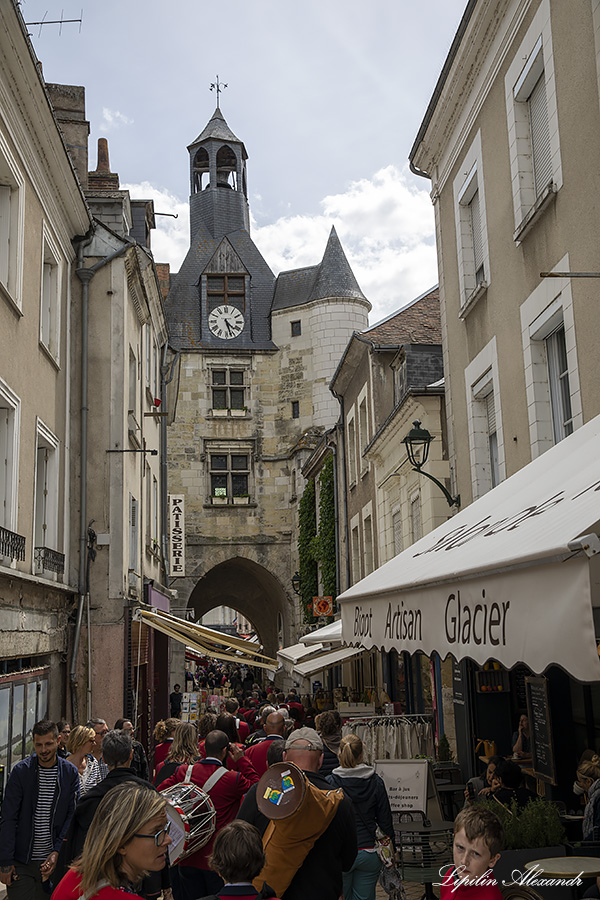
column 326, row 661
column 328, row 634
column 288, row 657
column 498, row 580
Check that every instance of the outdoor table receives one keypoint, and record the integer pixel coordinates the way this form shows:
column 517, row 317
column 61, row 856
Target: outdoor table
column 447, row 792
column 566, row 866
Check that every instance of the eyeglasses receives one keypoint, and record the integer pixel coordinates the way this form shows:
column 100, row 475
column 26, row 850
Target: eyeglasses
column 159, row 837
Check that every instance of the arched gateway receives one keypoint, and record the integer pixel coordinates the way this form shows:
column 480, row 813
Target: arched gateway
column 250, row 589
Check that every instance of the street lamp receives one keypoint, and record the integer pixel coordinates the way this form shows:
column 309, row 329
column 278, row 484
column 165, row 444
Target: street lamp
column 417, row 443
column 296, row 583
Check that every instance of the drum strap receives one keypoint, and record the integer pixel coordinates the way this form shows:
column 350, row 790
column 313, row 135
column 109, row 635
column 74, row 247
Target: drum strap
column 94, row 890
column 212, row 779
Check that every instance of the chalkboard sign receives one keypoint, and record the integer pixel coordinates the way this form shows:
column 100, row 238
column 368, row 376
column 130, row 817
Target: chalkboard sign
column 538, row 710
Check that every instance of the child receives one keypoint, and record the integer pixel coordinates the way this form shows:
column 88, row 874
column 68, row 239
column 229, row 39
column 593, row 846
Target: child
column 238, row 857
column 478, row 839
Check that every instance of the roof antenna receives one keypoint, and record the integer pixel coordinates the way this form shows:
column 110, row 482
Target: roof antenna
column 218, row 86
column 60, row 22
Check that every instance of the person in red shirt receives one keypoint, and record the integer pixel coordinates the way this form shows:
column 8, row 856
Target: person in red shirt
column 274, row 731
column 478, row 839
column 128, row 837
column 193, row 877
column 233, row 708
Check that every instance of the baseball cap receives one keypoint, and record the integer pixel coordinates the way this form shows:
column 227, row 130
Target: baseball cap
column 305, row 734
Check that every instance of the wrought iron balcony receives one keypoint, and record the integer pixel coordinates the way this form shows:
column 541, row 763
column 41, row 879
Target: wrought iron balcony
column 50, row 560
column 11, row 544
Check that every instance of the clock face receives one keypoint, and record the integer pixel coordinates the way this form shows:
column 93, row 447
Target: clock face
column 226, row 322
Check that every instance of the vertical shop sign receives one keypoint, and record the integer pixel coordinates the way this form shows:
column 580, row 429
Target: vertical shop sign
column 177, row 534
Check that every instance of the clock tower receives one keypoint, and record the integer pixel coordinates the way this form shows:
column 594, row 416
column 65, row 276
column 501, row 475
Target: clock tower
column 256, row 355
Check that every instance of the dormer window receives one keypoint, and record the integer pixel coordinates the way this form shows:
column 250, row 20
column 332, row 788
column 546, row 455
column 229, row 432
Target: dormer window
column 224, row 290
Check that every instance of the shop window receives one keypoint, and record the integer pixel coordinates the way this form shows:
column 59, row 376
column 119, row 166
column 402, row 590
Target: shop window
column 23, row 702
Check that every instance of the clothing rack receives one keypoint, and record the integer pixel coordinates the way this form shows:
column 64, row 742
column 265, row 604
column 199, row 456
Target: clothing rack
column 393, row 737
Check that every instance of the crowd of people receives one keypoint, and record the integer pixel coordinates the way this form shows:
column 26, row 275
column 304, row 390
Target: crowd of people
column 86, row 815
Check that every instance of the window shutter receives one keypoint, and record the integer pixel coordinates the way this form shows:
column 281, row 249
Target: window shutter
column 397, row 526
column 540, row 136
column 475, row 214
column 4, row 467
column 491, row 412
column 4, row 232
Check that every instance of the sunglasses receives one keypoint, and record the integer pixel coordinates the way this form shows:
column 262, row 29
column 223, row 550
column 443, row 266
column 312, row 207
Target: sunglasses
column 159, row 837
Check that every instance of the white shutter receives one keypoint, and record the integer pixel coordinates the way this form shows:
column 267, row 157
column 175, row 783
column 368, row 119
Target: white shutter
column 540, row 136
column 477, row 237
column 491, row 412
column 397, row 527
column 492, row 438
column 4, row 233
column 4, row 467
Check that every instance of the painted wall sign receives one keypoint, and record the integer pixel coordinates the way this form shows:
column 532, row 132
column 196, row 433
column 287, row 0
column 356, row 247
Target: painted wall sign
column 177, row 535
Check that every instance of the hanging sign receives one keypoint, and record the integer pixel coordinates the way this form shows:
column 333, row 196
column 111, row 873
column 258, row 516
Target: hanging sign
column 177, row 534
column 322, row 606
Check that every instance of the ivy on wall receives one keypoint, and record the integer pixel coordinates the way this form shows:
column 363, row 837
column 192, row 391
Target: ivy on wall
column 307, row 532
column 317, row 551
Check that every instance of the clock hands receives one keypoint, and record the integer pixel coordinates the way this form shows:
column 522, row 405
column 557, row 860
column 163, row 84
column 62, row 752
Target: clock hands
column 229, row 328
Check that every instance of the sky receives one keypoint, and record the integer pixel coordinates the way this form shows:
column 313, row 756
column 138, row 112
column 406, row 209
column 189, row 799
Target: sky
column 327, row 96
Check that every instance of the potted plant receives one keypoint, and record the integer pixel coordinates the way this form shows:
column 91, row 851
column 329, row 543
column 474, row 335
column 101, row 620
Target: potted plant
column 218, row 500
column 220, row 411
column 533, row 832
column 241, row 500
column 239, row 413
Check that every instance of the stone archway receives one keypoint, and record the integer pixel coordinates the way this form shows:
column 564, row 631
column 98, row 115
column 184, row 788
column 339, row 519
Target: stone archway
column 248, row 588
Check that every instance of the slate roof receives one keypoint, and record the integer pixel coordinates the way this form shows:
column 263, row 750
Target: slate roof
column 218, row 129
column 417, row 323
column 333, row 277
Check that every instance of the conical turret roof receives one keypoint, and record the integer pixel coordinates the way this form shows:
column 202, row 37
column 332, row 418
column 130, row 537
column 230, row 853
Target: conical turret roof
column 335, row 278
column 219, row 130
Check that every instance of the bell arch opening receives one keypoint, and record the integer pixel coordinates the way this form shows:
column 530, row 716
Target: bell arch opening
column 253, row 591
column 200, row 168
column 226, row 168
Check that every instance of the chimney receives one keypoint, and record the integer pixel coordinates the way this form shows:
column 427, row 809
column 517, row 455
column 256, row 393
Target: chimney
column 68, row 102
column 103, row 179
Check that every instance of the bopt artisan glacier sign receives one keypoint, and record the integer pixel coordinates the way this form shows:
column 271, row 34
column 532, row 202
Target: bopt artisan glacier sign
column 510, row 617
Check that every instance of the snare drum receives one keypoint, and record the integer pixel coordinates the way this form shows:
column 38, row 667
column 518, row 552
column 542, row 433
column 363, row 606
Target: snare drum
column 192, row 815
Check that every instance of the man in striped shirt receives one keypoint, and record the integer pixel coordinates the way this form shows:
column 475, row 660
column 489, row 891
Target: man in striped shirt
column 39, row 800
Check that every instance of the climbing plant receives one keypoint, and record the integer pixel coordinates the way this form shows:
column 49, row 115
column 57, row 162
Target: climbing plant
column 326, row 537
column 307, row 532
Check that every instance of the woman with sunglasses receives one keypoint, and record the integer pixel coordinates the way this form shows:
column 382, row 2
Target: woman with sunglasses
column 128, row 837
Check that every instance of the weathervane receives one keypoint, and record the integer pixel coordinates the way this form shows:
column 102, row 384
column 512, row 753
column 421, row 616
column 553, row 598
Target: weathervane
column 218, row 86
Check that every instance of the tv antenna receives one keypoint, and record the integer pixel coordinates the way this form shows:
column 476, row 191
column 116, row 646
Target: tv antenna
column 60, row 22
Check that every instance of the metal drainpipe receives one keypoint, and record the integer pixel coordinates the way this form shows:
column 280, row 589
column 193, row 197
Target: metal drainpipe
column 85, row 275
column 164, row 381
column 333, row 449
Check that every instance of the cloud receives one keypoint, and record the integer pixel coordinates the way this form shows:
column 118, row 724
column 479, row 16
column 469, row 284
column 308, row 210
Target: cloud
column 385, row 224
column 112, row 118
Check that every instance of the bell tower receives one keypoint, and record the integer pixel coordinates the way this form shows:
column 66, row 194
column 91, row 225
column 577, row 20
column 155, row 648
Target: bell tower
column 218, row 190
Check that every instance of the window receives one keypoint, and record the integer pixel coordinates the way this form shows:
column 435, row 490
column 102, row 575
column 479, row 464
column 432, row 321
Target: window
column 46, row 498
column 415, row 517
column 50, row 300
column 26, row 697
column 550, row 361
column 486, row 446
column 355, row 541
column 134, row 540
column 11, row 225
column 229, row 473
column 155, row 509
column 558, row 383
column 225, row 289
column 10, row 410
column 296, row 328
column 471, row 226
column 228, row 391
column 362, row 424
column 532, row 118
column 132, row 382
column 397, row 531
column 351, row 451
column 368, row 537
column 148, row 354
column 295, row 409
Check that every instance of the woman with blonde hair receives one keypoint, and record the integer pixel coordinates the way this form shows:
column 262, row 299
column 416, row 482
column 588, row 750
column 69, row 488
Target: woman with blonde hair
column 128, row 837
column 79, row 746
column 184, row 749
column 588, row 778
column 369, row 797
column 163, row 735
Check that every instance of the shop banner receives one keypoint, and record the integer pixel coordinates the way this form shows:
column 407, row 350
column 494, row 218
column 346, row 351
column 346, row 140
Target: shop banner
column 539, row 616
column 177, row 535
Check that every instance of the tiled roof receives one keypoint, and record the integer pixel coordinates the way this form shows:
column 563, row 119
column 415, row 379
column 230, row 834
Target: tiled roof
column 333, row 277
column 418, row 323
column 218, row 129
